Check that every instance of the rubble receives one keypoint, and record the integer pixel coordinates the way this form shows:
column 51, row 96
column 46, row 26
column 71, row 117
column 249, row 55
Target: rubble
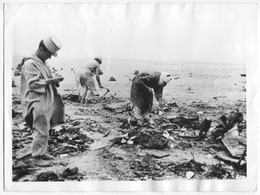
column 184, row 121
column 192, row 165
column 236, row 145
column 71, row 97
column 154, row 149
column 20, row 172
column 226, row 124
column 69, row 172
column 146, row 138
column 68, row 140
column 47, row 176
column 218, row 172
column 147, row 168
column 204, row 128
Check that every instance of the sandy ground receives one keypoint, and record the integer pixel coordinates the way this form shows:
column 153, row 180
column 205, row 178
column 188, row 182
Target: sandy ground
column 206, row 94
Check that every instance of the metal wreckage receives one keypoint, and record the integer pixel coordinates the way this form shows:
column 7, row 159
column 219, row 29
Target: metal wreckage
column 176, row 142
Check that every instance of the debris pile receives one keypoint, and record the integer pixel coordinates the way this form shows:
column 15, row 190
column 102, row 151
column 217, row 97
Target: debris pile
column 67, row 174
column 221, row 142
column 147, row 138
column 185, row 169
column 68, row 140
column 71, row 97
column 232, row 123
column 219, row 172
column 72, row 174
column 21, row 138
column 21, row 169
column 203, row 130
column 47, row 176
column 147, row 168
column 191, row 122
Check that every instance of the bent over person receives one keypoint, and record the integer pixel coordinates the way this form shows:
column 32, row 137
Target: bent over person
column 42, row 105
column 142, row 89
column 84, row 78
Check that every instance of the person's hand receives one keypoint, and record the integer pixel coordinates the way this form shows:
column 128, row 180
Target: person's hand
column 55, row 80
column 150, row 90
column 58, row 79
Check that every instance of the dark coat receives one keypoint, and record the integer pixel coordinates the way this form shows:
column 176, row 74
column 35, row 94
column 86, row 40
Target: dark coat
column 141, row 96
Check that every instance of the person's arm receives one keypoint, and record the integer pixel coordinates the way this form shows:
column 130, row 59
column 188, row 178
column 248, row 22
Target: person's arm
column 158, row 93
column 34, row 78
column 98, row 77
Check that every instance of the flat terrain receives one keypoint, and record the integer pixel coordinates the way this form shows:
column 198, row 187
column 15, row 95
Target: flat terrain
column 103, row 141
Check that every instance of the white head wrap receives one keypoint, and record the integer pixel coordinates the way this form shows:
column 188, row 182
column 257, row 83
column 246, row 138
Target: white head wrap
column 165, row 77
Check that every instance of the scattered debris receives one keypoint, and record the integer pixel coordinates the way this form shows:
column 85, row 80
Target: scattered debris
column 218, row 172
column 192, row 165
column 189, row 174
column 69, row 172
column 107, row 133
column 146, row 138
column 147, row 168
column 148, row 146
column 13, row 83
column 187, row 122
column 235, row 145
column 226, row 124
column 71, row 97
column 16, row 113
column 68, row 140
column 20, row 172
column 112, row 79
column 205, row 125
column 47, row 176
column 21, row 169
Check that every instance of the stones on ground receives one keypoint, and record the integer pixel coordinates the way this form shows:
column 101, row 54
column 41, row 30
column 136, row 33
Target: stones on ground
column 112, row 79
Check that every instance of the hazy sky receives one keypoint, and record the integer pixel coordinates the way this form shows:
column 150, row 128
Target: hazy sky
column 217, row 33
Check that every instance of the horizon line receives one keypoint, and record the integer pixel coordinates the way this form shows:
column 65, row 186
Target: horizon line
column 171, row 61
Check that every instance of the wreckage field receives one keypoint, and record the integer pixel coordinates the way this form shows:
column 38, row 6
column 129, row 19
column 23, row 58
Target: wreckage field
column 199, row 132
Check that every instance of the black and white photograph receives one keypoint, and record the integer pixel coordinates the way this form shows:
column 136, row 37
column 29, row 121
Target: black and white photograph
column 134, row 92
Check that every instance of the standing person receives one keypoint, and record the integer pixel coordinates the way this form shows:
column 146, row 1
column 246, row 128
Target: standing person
column 42, row 105
column 84, row 78
column 142, row 89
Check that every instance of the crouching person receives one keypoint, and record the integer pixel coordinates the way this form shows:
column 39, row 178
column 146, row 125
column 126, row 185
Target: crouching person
column 143, row 86
column 85, row 81
column 42, row 105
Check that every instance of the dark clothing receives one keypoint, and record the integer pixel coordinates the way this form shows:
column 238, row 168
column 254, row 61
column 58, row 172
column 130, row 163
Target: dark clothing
column 141, row 95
